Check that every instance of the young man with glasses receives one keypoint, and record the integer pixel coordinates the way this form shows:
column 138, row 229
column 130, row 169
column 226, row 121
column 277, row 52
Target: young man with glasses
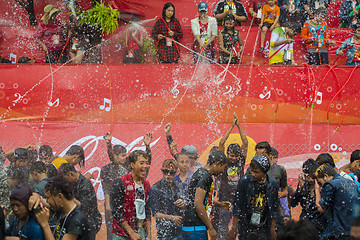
column 166, row 203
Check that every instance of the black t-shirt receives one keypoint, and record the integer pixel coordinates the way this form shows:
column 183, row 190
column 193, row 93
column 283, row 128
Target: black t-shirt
column 259, row 207
column 227, row 181
column 74, row 223
column 200, row 179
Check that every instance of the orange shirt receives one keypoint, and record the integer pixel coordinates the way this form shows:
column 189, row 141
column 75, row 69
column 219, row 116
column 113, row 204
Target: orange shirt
column 312, row 31
column 270, row 13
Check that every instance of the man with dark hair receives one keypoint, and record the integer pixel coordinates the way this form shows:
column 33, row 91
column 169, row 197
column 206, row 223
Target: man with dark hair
column 305, row 195
column 185, row 174
column 74, row 156
column 256, row 203
column 71, row 222
column 166, row 203
column 355, row 229
column 199, row 198
column 20, row 160
column 225, row 7
column 339, row 196
column 326, row 158
column 109, row 173
column 85, row 196
column 226, row 183
column 45, row 154
column 301, row 230
column 38, row 174
column 129, row 200
column 263, row 148
column 24, row 224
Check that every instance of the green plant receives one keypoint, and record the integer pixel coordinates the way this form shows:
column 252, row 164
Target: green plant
column 149, row 46
column 101, row 16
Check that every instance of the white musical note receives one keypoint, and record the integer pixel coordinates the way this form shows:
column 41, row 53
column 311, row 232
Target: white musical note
column 267, row 94
column 13, row 56
column 18, row 97
column 318, row 100
column 106, row 102
column 229, row 91
column 267, row 49
column 53, row 103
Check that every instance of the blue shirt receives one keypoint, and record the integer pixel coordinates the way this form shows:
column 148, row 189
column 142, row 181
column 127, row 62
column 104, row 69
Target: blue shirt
column 184, row 184
column 31, row 229
column 341, row 199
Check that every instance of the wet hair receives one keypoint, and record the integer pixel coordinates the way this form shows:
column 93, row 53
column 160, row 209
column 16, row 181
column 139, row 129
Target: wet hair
column 134, row 156
column 213, row 149
column 274, row 152
column 355, row 155
column 264, row 145
column 38, row 167
column 61, row 185
column 24, row 60
column 309, row 167
column 234, row 148
column 118, row 149
column 170, row 163
column 295, row 26
column 325, row 169
column 166, row 6
column 16, row 173
column 77, row 150
column 45, row 150
column 21, row 154
column 300, row 230
column 217, row 157
column 325, row 158
column 65, row 169
column 32, row 155
column 320, row 11
column 230, row 18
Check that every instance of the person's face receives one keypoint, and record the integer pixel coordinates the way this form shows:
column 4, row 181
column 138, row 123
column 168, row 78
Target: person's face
column 35, row 176
column 321, row 181
column 320, row 17
column 192, row 160
column 119, row 158
column 202, row 14
column 290, row 32
column 309, row 179
column 53, row 201
column 141, row 167
column 169, row 12
column 71, row 176
column 355, row 233
column 273, row 159
column 19, row 209
column 233, row 157
column 168, row 174
column 45, row 158
column 229, row 24
column 19, row 163
column 184, row 163
column 75, row 159
column 218, row 168
column 271, row 2
column 257, row 174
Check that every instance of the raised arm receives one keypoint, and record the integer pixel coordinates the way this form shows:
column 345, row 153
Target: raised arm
column 226, row 135
column 110, row 152
column 245, row 143
column 172, row 144
column 147, row 140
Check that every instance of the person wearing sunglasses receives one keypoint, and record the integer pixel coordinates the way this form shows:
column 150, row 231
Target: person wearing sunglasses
column 166, row 203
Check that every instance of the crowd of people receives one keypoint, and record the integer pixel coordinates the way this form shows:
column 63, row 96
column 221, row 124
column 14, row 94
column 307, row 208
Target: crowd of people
column 283, row 18
column 46, row 197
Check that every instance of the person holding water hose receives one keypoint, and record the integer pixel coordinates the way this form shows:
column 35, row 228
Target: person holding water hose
column 166, row 29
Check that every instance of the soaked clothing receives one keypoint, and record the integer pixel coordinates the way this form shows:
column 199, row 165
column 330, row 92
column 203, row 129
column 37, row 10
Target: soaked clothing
column 230, row 41
column 236, row 6
column 185, row 184
column 39, row 187
column 53, row 35
column 168, row 50
column 109, row 173
column 30, row 230
column 74, row 223
column 161, row 198
column 341, row 199
column 200, row 179
column 256, row 205
column 309, row 210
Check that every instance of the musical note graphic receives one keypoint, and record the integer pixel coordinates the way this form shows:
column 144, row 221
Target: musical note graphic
column 12, row 56
column 106, row 102
column 18, row 96
column 267, row 93
column 318, row 98
column 53, row 103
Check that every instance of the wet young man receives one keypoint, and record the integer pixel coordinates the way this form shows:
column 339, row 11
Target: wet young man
column 129, row 200
column 70, row 223
column 84, row 196
column 185, row 174
column 338, row 197
column 226, row 182
column 256, row 203
column 166, row 203
column 75, row 155
column 24, row 224
column 109, row 173
column 197, row 224
column 39, row 176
